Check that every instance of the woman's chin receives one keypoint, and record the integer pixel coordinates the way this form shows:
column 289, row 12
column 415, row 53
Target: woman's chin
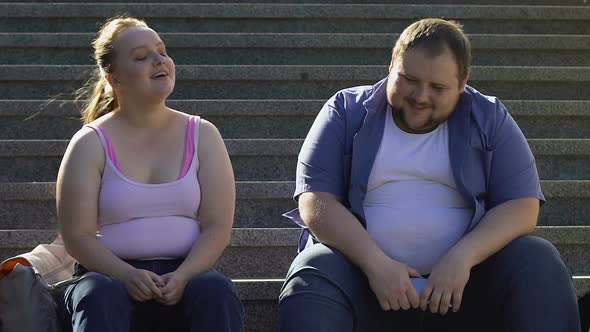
column 159, row 95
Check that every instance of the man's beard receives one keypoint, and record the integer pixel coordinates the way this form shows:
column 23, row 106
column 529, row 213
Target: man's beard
column 400, row 121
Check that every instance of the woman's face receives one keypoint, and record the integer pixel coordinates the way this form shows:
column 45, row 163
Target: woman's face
column 142, row 70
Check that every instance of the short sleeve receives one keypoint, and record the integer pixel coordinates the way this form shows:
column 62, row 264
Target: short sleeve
column 513, row 171
column 320, row 164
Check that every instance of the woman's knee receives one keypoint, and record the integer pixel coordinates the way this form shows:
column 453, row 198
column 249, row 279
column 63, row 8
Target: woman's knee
column 97, row 291
column 211, row 287
column 100, row 287
column 211, row 303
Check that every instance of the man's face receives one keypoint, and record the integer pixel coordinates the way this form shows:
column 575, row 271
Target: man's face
column 423, row 90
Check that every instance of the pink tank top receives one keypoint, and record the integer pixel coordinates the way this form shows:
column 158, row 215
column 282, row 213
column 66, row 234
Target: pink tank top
column 149, row 221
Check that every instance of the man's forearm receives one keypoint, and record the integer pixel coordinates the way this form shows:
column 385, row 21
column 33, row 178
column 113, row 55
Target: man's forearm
column 498, row 228
column 335, row 226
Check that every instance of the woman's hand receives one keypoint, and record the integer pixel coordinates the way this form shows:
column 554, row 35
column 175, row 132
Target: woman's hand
column 142, row 285
column 174, row 284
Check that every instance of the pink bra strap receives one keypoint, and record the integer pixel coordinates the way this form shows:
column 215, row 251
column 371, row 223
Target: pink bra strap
column 189, row 147
column 108, row 146
column 112, row 154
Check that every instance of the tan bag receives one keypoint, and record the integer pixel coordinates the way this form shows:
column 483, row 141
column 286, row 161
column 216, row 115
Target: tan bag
column 52, row 261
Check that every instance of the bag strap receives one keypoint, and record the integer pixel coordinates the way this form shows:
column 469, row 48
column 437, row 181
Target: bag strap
column 8, row 265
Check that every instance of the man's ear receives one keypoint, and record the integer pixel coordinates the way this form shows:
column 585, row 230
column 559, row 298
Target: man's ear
column 464, row 83
column 391, row 64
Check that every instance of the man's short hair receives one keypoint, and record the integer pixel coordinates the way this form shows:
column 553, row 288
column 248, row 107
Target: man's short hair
column 433, row 35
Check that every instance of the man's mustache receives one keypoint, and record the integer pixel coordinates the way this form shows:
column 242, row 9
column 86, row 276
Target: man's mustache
column 417, row 104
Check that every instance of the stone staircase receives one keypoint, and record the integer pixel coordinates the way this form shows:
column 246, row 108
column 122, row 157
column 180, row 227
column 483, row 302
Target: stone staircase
column 260, row 72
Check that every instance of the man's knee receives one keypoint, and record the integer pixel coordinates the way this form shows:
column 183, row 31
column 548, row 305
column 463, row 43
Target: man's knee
column 322, row 258
column 328, row 290
column 533, row 268
column 320, row 271
column 312, row 285
column 536, row 256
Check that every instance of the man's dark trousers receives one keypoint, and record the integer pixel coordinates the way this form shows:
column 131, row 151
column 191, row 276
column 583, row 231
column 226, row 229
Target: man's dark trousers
column 525, row 287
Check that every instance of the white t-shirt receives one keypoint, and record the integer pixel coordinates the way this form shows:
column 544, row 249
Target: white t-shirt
column 413, row 209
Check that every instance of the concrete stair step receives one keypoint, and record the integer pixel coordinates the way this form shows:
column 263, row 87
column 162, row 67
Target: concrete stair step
column 260, row 299
column 297, row 82
column 267, row 252
column 260, row 296
column 537, row 41
column 379, row 18
column 449, row 2
column 273, row 159
column 276, row 118
column 252, row 254
column 32, row 205
column 294, row 49
column 260, row 204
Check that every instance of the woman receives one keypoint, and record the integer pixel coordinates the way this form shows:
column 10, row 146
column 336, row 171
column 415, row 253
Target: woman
column 145, row 199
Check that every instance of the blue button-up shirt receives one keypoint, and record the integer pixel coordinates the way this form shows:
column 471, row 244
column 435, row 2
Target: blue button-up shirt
column 490, row 157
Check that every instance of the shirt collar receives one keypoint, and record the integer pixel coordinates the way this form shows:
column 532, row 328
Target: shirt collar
column 378, row 96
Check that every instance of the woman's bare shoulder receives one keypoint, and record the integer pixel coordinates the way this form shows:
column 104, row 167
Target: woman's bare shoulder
column 208, row 129
column 85, row 136
column 85, row 148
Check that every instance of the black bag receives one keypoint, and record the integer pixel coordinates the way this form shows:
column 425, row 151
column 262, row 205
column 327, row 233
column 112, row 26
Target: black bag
column 26, row 302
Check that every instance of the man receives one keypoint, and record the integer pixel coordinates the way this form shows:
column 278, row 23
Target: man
column 421, row 192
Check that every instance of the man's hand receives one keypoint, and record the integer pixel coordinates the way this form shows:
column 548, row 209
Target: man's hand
column 174, row 284
column 390, row 281
column 445, row 284
column 142, row 284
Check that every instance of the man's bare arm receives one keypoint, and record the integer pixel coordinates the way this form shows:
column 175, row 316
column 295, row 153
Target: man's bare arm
column 500, row 226
column 337, row 227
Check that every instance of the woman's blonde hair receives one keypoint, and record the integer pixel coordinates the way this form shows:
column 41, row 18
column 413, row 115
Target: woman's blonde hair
column 99, row 97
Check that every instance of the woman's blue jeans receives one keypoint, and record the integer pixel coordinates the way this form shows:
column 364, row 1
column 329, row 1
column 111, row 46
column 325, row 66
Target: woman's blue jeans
column 525, row 287
column 99, row 303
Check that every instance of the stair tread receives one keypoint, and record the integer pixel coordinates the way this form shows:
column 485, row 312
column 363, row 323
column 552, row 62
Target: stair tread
column 257, row 10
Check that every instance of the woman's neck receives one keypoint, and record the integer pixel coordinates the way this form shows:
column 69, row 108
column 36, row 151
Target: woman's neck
column 152, row 116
